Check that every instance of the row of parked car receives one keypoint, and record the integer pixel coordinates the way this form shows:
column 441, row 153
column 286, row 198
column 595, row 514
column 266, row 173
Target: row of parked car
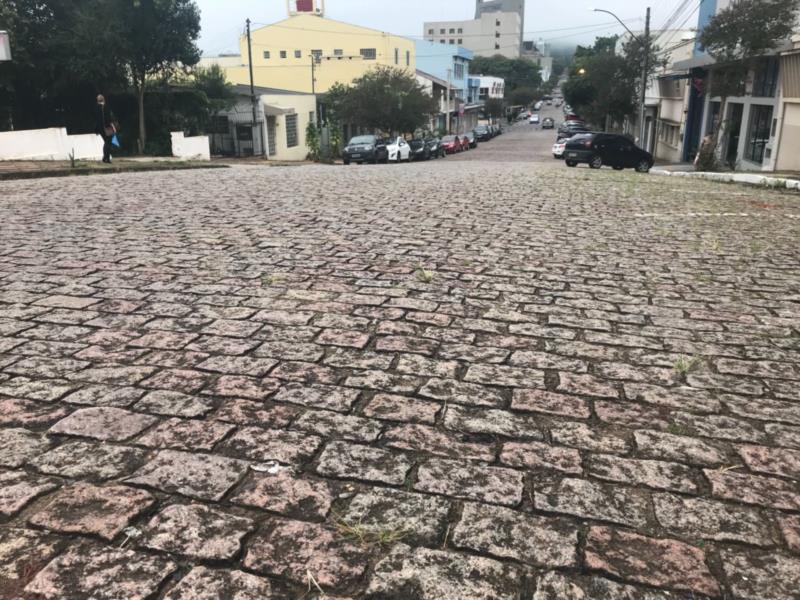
column 374, row 149
column 577, row 144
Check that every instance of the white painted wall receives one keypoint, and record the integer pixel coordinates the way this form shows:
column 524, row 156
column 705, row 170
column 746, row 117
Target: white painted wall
column 480, row 35
column 195, row 147
column 49, row 144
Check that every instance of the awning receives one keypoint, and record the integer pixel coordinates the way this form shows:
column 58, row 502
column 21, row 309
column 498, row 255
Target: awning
column 276, row 111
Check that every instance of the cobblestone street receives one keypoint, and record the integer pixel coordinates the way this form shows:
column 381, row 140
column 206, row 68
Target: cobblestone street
column 484, row 377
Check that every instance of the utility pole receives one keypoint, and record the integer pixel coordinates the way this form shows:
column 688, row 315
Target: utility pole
column 449, row 114
column 645, row 70
column 250, row 62
column 314, row 88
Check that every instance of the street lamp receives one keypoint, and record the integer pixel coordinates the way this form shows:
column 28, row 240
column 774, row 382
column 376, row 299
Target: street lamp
column 645, row 44
column 581, row 71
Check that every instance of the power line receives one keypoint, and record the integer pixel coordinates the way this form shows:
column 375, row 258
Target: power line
column 415, row 36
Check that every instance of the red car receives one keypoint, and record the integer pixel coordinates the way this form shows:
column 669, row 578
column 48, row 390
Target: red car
column 452, row 144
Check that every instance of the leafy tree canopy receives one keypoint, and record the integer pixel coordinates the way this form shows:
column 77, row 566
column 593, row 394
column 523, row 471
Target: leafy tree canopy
column 517, row 72
column 748, row 28
column 385, row 98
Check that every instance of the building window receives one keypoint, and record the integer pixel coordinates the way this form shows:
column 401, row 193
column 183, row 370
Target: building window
column 338, row 52
column 397, row 56
column 452, row 30
column 441, row 41
column 283, row 53
column 452, row 42
column 460, row 30
column 441, row 31
column 497, row 46
column 766, row 78
column 317, row 54
column 291, row 131
column 298, row 54
column 266, row 54
column 368, row 53
column 430, row 31
column 758, row 133
column 497, row 22
column 460, row 41
column 408, row 58
column 497, row 34
column 458, row 71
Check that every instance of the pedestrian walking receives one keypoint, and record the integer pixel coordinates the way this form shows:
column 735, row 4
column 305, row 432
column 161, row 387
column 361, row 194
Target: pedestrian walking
column 105, row 127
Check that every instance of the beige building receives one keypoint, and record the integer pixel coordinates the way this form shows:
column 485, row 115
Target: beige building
column 787, row 143
column 492, row 33
column 283, row 51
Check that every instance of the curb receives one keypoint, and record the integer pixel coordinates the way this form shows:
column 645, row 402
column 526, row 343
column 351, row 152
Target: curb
column 741, row 178
column 42, row 173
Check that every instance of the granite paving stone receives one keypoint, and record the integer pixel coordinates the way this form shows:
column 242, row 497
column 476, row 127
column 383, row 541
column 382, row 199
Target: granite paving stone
column 103, row 423
column 293, row 549
column 89, row 509
column 101, row 573
column 18, row 488
column 440, row 575
column 202, row 583
column 505, row 533
column 195, row 531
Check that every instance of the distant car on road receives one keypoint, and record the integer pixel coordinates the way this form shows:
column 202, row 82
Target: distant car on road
column 365, row 148
column 420, row 149
column 435, row 145
column 471, row 139
column 548, row 123
column 483, row 133
column 538, row 105
column 534, row 120
column 607, row 149
column 399, row 150
column 451, row 144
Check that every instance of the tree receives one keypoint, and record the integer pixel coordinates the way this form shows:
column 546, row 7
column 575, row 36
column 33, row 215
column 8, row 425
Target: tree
column 212, row 83
column 384, row 98
column 522, row 96
column 605, row 86
column 517, row 72
column 494, row 108
column 736, row 38
column 156, row 37
column 61, row 60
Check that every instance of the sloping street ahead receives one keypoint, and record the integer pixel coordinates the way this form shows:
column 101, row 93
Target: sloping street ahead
column 488, row 376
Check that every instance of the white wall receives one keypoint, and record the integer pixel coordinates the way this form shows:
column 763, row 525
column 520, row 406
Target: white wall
column 196, row 147
column 49, row 144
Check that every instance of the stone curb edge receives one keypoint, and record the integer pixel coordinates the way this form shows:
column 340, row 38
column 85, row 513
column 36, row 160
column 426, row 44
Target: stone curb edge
column 741, row 178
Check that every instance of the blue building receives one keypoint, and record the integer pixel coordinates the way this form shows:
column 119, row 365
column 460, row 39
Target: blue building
column 447, row 65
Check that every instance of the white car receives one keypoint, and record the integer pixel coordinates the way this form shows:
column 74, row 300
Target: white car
column 399, row 150
column 558, row 149
column 534, row 120
column 538, row 105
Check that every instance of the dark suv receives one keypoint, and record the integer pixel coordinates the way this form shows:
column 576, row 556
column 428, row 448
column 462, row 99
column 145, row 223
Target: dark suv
column 599, row 149
column 365, row 148
column 483, row 133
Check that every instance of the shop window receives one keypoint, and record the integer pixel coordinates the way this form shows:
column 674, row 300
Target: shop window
column 758, row 133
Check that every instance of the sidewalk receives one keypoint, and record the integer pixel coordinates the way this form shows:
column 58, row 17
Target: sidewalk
column 32, row 169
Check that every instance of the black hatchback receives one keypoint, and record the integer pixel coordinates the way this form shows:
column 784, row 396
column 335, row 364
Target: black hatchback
column 607, row 149
column 365, row 148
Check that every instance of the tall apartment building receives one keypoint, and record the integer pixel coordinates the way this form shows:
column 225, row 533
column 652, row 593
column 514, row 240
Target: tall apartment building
column 492, row 33
column 483, row 7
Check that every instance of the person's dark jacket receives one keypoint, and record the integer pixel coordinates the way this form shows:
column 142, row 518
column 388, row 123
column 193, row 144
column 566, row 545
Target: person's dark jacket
column 103, row 117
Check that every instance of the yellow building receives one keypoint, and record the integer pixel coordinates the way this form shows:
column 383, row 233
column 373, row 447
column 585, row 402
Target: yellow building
column 282, row 54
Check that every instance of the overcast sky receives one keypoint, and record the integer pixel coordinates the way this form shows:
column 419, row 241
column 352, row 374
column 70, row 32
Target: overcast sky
column 223, row 20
